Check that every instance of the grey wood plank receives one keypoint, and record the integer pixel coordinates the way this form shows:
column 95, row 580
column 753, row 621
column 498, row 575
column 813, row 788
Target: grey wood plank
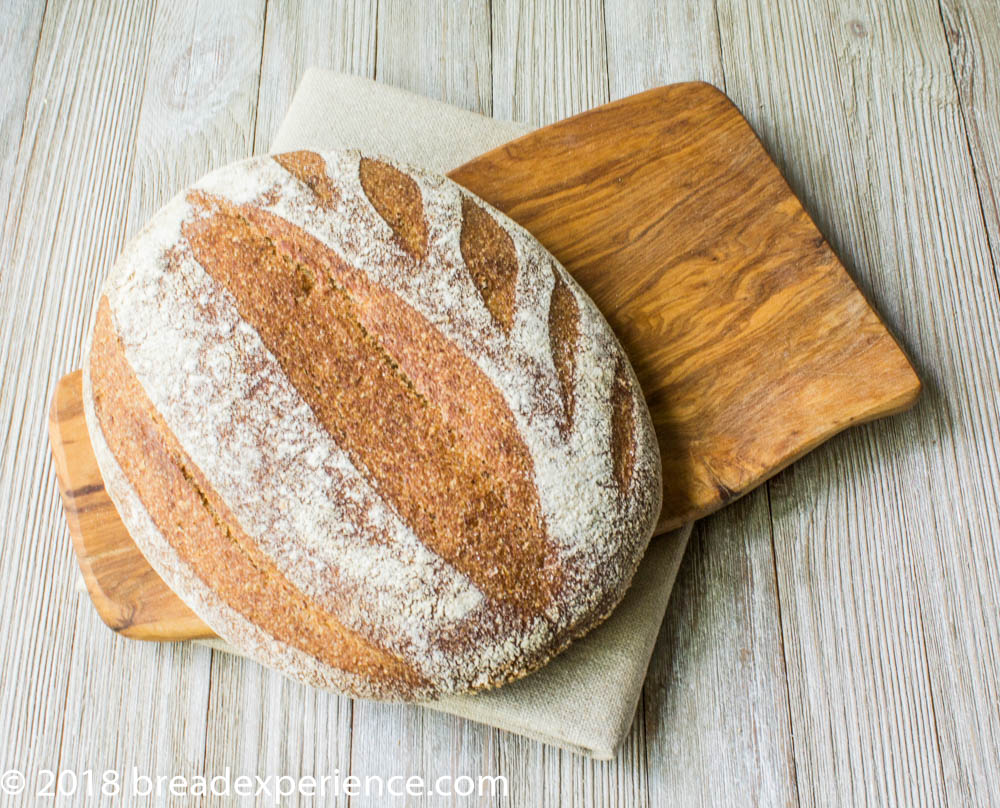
column 549, row 59
column 885, row 538
column 654, row 44
column 195, row 113
column 19, row 35
column 437, row 48
column 74, row 159
column 198, row 108
column 72, row 179
column 401, row 741
column 715, row 702
column 539, row 774
column 972, row 30
column 338, row 36
column 260, row 723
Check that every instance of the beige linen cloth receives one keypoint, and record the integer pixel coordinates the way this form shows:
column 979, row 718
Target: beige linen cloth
column 585, row 698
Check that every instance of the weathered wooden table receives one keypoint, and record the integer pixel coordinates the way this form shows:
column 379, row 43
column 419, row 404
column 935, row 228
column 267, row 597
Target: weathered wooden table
column 834, row 638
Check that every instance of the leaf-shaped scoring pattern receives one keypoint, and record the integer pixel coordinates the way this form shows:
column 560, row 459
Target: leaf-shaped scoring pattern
column 310, row 168
column 491, row 258
column 398, row 200
column 623, row 419
column 564, row 334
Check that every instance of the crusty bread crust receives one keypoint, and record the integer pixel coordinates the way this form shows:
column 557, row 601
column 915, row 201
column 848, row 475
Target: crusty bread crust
column 388, row 406
column 200, row 527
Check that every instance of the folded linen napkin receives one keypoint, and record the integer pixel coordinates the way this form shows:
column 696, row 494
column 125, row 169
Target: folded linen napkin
column 584, row 699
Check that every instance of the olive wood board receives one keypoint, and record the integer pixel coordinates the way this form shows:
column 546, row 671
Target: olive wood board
column 750, row 340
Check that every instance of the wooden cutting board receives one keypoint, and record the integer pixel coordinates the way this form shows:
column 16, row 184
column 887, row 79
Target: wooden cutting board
column 750, row 340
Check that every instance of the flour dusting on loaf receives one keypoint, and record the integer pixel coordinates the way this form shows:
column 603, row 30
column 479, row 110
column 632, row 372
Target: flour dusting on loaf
column 367, row 427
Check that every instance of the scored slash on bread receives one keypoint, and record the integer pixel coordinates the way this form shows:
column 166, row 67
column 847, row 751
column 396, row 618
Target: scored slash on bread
column 367, row 427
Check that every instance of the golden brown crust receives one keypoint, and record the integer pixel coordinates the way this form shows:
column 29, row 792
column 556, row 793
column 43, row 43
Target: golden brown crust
column 201, row 528
column 564, row 334
column 622, row 429
column 326, row 340
column 398, row 200
column 491, row 258
column 309, row 168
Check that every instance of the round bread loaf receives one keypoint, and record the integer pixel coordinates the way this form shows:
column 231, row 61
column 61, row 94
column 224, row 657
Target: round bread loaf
column 367, row 427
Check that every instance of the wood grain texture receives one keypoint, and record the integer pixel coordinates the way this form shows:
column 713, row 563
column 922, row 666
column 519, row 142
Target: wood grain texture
column 549, row 59
column 71, row 174
column 750, row 342
column 19, row 34
column 199, row 80
column 338, row 36
column 715, row 699
column 890, row 654
column 437, row 48
column 886, row 538
column 970, row 28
